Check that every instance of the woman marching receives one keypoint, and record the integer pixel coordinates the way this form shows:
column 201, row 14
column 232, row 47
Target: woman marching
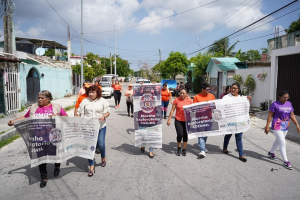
column 227, row 91
column 129, row 100
column 281, row 111
column 180, row 127
column 166, row 98
column 96, row 107
column 117, row 92
column 44, row 107
column 235, row 93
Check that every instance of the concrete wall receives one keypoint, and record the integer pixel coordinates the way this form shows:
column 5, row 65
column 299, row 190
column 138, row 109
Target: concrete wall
column 261, row 92
column 274, row 67
column 58, row 81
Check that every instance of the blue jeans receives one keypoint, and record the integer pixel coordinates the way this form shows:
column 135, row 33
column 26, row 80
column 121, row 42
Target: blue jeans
column 238, row 140
column 150, row 149
column 201, row 143
column 100, row 145
column 164, row 107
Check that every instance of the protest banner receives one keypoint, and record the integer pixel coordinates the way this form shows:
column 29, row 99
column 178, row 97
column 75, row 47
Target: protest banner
column 57, row 139
column 217, row 117
column 147, row 115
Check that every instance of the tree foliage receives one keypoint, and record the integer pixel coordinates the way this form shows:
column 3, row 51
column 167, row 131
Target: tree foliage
column 222, row 47
column 175, row 64
column 91, row 67
column 49, row 52
column 250, row 55
column 294, row 26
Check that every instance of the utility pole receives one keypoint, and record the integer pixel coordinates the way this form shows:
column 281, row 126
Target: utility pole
column 81, row 71
column 7, row 26
column 110, row 63
column 115, row 52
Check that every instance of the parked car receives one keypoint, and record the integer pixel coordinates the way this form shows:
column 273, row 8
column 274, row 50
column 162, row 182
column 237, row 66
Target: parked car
column 107, row 90
column 126, row 79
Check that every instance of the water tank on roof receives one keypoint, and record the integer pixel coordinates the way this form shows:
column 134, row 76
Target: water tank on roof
column 25, row 46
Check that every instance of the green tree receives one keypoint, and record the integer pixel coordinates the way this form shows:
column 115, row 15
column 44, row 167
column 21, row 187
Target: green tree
column 91, row 67
column 295, row 26
column 175, row 64
column 49, row 52
column 264, row 50
column 250, row 55
column 222, row 47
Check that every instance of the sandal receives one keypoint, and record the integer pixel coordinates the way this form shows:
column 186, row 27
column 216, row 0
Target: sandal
column 225, row 151
column 103, row 164
column 91, row 172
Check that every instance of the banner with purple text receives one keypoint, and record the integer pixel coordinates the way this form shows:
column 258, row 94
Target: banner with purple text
column 58, row 139
column 147, row 115
column 217, row 117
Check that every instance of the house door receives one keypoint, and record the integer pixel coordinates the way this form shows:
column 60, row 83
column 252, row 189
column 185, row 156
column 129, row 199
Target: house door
column 220, row 84
column 288, row 78
column 33, row 86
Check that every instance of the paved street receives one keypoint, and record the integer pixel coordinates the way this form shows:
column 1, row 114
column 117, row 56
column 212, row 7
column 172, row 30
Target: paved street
column 129, row 174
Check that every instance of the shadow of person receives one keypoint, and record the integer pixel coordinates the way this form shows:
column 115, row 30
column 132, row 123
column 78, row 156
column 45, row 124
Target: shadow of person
column 123, row 114
column 130, row 149
column 33, row 174
column 129, row 130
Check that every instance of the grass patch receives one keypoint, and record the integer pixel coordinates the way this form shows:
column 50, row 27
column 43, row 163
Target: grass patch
column 22, row 108
column 69, row 108
column 2, row 116
column 6, row 131
column 9, row 140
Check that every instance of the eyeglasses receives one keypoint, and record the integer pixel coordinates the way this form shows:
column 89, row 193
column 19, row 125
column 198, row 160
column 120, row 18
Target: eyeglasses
column 207, row 89
column 234, row 88
column 285, row 98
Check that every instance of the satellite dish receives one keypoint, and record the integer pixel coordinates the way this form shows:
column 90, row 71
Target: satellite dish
column 40, row 51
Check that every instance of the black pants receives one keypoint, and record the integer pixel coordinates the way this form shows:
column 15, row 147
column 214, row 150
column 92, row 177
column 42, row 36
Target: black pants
column 128, row 108
column 43, row 170
column 181, row 131
column 117, row 95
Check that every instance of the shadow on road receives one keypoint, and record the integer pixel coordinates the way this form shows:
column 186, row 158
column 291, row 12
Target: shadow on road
column 33, row 174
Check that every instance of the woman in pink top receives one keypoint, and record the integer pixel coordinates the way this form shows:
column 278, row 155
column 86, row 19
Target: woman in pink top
column 44, row 108
column 129, row 99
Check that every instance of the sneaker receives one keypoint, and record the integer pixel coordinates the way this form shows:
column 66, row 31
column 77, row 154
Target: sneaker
column 131, row 115
column 128, row 115
column 272, row 156
column 202, row 154
column 288, row 165
column 183, row 152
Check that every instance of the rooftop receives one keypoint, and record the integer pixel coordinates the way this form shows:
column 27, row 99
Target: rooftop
column 43, row 43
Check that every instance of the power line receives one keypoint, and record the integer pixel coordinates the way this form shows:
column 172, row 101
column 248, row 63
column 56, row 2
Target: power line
column 248, row 25
column 157, row 19
column 62, row 17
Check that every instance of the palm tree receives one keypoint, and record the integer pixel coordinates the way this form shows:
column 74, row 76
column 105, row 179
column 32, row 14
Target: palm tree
column 222, row 46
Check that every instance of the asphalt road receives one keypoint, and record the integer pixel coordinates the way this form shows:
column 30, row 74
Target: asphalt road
column 129, row 174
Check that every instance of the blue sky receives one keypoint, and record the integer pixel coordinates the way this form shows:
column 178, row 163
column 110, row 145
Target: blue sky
column 37, row 19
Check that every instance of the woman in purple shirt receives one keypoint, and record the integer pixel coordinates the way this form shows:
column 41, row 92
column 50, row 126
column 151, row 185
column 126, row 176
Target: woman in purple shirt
column 281, row 111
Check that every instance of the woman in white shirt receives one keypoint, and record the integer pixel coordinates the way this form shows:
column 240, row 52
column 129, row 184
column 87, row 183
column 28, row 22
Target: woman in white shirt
column 96, row 107
column 235, row 93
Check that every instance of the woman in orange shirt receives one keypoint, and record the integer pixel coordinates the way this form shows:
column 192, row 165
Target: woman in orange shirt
column 166, row 97
column 180, row 127
column 117, row 92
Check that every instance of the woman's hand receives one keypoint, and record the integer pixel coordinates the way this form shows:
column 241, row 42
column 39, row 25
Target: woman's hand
column 10, row 123
column 267, row 130
column 52, row 115
column 168, row 122
column 102, row 119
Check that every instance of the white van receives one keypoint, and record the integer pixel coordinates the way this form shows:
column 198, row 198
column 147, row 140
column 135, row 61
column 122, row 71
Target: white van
column 107, row 78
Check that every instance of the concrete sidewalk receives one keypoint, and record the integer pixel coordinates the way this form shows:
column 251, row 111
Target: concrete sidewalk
column 8, row 131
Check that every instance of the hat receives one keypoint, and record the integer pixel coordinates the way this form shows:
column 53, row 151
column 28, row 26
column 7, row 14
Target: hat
column 87, row 85
column 130, row 85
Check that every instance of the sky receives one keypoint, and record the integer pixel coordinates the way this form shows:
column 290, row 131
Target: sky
column 145, row 26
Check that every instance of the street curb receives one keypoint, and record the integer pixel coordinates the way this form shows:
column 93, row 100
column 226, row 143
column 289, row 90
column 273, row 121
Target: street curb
column 8, row 134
